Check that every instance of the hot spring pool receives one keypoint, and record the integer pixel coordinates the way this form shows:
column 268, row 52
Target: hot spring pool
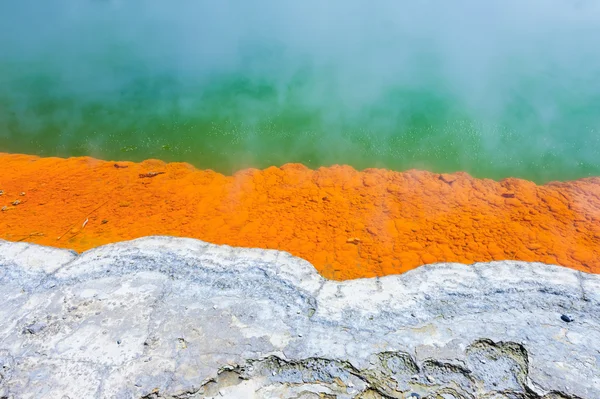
column 498, row 89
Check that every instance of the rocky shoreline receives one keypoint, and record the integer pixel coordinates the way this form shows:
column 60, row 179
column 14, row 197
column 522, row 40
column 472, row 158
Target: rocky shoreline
column 347, row 223
column 164, row 317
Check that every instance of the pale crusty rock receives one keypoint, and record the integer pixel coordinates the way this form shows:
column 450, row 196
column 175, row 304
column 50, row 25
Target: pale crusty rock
column 164, row 317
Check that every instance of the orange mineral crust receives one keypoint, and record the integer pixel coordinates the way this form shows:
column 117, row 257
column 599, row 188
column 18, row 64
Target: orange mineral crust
column 348, row 224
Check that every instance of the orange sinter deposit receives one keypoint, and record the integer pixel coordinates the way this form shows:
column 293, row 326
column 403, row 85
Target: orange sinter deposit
column 348, row 224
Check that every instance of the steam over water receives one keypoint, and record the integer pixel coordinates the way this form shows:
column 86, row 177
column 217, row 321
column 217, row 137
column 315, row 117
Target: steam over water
column 497, row 88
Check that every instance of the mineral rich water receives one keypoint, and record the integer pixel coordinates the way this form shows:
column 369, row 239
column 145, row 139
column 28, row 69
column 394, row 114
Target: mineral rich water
column 494, row 88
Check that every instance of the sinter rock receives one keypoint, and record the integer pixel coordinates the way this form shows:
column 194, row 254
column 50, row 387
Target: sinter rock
column 165, row 317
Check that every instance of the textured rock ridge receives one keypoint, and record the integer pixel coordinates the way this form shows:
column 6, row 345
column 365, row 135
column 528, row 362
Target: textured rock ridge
column 165, row 317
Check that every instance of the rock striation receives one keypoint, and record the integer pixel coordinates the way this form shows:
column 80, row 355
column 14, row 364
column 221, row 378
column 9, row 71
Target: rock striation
column 162, row 317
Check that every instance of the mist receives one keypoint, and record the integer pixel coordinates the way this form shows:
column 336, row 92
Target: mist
column 496, row 88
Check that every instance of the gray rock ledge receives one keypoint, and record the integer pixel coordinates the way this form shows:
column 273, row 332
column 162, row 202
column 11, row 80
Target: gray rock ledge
column 164, row 317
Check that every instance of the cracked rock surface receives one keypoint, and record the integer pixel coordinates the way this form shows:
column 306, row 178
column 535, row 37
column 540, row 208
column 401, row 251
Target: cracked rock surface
column 163, row 317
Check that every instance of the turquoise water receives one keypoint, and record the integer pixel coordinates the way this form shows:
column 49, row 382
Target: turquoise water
column 488, row 89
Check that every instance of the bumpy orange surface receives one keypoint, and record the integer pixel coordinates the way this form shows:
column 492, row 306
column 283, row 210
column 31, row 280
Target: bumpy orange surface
column 348, row 224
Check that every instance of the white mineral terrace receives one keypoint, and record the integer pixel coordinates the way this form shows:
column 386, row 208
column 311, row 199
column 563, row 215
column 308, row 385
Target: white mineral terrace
column 166, row 317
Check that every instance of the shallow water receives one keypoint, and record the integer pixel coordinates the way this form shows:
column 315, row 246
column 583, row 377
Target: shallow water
column 489, row 89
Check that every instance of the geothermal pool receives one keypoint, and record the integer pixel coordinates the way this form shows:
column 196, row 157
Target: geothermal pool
column 252, row 108
column 503, row 89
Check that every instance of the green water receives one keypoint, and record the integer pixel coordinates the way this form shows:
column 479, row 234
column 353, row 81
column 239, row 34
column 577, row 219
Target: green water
column 529, row 111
